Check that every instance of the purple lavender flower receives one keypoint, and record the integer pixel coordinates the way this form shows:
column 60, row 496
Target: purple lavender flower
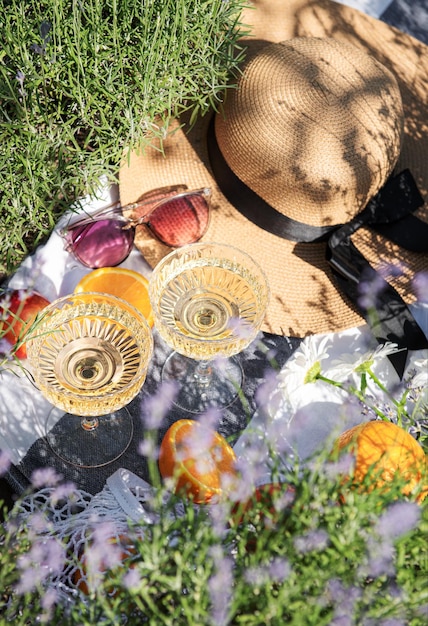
column 219, row 515
column 342, row 467
column 148, row 448
column 380, row 561
column 344, row 599
column 256, row 575
column 220, row 586
column 132, row 579
column 240, row 328
column 265, row 391
column 155, row 407
column 20, row 77
column 313, row 540
column 196, row 443
column 5, row 462
column 102, row 553
column 63, row 492
column 211, row 418
column 420, row 285
column 279, row 569
column 399, row 519
column 369, row 290
column 39, row 524
column 250, row 469
column 45, row 557
column 342, row 620
column 48, row 601
column 45, row 477
column 276, row 571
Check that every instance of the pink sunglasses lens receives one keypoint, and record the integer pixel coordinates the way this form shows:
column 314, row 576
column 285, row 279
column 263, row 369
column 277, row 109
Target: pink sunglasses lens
column 181, row 220
column 102, row 243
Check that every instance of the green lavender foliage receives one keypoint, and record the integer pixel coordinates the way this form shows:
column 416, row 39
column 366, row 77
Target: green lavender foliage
column 318, row 554
column 81, row 80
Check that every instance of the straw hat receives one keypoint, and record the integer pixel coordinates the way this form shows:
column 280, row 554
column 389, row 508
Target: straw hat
column 329, row 102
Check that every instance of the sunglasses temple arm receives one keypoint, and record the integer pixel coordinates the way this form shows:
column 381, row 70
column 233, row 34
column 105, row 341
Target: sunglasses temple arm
column 111, row 209
column 88, row 218
column 146, row 218
column 114, row 206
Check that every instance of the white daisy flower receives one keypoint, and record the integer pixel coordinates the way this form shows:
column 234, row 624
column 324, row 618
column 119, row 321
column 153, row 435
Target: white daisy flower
column 347, row 364
column 308, row 356
column 420, row 369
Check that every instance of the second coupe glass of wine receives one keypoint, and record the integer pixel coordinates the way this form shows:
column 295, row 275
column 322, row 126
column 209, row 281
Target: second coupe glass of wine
column 209, row 301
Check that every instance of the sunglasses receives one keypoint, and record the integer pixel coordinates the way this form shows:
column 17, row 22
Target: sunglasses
column 173, row 215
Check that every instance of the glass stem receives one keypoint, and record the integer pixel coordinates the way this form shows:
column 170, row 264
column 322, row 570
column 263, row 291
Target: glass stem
column 89, row 423
column 203, row 374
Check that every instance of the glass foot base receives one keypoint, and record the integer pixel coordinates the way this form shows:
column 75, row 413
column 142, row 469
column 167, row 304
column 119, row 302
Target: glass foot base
column 203, row 385
column 86, row 441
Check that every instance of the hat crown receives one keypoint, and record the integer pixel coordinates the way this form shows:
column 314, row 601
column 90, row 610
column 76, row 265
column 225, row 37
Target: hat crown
column 314, row 128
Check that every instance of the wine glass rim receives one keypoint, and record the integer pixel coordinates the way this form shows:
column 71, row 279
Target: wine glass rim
column 206, row 244
column 93, row 296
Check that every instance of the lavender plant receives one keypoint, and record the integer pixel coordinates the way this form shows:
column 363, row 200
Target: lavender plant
column 311, row 561
column 313, row 551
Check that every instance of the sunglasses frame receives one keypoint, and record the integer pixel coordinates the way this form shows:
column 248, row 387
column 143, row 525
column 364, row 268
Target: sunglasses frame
column 115, row 210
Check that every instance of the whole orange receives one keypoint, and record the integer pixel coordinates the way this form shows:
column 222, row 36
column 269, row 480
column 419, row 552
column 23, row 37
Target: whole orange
column 198, row 459
column 384, row 449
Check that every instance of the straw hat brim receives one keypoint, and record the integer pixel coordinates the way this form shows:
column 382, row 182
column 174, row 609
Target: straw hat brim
column 304, row 296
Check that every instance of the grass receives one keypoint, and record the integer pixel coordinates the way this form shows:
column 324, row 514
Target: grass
column 82, row 81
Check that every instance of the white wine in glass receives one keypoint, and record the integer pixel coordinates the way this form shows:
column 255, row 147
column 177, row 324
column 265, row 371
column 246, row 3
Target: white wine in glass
column 209, row 301
column 89, row 356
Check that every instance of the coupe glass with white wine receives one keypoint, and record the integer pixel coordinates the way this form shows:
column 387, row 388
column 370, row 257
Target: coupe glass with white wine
column 209, row 301
column 89, row 357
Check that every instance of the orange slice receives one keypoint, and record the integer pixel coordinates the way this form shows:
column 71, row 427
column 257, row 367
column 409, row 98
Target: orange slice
column 198, row 459
column 123, row 283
